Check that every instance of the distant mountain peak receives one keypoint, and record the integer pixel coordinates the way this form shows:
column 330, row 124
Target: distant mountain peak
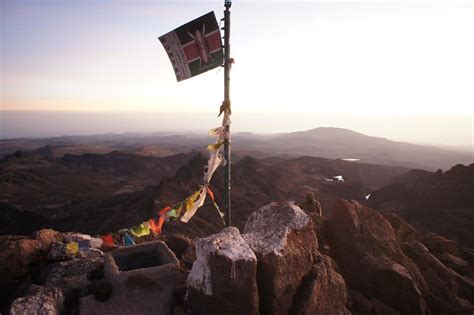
column 333, row 131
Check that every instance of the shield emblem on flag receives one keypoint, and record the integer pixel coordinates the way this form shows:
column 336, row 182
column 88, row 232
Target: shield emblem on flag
column 194, row 47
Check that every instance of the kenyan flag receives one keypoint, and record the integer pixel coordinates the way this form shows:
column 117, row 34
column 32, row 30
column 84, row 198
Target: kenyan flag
column 194, row 47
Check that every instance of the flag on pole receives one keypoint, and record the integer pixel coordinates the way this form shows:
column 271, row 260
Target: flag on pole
column 194, row 47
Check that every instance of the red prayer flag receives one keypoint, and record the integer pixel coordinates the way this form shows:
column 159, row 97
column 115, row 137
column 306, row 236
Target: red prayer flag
column 108, row 240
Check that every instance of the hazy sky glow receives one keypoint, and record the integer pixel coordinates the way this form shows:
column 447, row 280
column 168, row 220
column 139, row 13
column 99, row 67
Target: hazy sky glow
column 364, row 58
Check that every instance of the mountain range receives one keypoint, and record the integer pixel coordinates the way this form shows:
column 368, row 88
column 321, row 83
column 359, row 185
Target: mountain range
column 333, row 143
column 125, row 179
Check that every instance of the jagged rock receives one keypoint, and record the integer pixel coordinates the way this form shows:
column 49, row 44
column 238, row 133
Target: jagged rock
column 178, row 244
column 364, row 245
column 48, row 237
column 74, row 277
column 91, row 253
column 455, row 263
column 323, row 290
column 359, row 304
column 16, row 257
column 442, row 285
column 468, row 255
column 283, row 239
column 319, row 225
column 58, row 252
column 188, row 257
column 74, row 237
column 223, row 277
column 311, row 205
column 439, row 244
column 39, row 300
column 403, row 231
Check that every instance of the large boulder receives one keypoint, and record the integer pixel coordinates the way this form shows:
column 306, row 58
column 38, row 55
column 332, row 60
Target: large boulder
column 323, row 290
column 39, row 300
column 58, row 252
column 16, row 256
column 77, row 278
column 283, row 239
column 223, row 277
column 48, row 237
column 365, row 247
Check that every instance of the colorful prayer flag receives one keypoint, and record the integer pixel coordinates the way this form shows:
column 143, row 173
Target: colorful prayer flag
column 128, row 240
column 194, row 47
column 84, row 245
column 195, row 206
column 108, row 240
column 72, row 247
column 154, row 226
column 216, row 146
column 141, row 229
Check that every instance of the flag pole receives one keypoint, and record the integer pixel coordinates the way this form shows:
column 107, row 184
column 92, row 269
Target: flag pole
column 226, row 106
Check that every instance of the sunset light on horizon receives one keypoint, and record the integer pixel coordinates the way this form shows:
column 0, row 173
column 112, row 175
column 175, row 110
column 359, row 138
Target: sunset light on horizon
column 371, row 58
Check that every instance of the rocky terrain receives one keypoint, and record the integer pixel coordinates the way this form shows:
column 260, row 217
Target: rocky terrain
column 284, row 260
column 100, row 193
column 438, row 202
column 412, row 255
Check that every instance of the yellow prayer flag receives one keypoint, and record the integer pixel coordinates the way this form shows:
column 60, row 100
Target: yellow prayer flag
column 72, row 247
column 215, row 147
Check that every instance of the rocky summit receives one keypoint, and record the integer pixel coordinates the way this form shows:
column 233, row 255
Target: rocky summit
column 287, row 260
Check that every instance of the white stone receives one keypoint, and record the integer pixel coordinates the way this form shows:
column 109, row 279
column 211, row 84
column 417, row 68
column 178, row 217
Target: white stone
column 265, row 232
column 228, row 243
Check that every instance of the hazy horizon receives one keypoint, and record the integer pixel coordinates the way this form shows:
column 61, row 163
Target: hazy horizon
column 428, row 130
column 394, row 69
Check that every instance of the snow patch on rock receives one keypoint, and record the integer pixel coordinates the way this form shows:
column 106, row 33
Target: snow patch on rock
column 228, row 243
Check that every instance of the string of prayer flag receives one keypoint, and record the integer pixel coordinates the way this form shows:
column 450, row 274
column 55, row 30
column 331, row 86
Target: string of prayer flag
column 128, row 240
column 72, row 247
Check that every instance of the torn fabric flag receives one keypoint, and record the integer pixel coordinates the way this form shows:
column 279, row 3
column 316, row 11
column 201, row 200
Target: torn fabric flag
column 84, row 245
column 194, row 47
column 153, row 226
column 72, row 247
column 215, row 159
column 216, row 146
column 141, row 229
column 128, row 240
column 108, row 240
column 195, row 206
column 218, row 131
column 211, row 195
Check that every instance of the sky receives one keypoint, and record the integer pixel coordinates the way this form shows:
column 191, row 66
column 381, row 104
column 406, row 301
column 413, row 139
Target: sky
column 401, row 69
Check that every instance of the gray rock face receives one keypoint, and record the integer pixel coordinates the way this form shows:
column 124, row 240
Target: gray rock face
column 223, row 277
column 40, row 301
column 74, row 277
column 58, row 252
column 283, row 239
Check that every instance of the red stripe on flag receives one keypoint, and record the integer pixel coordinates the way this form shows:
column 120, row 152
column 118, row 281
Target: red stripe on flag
column 190, row 51
column 214, row 41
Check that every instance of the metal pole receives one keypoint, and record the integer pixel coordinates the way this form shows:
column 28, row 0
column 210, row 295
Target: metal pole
column 227, row 149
